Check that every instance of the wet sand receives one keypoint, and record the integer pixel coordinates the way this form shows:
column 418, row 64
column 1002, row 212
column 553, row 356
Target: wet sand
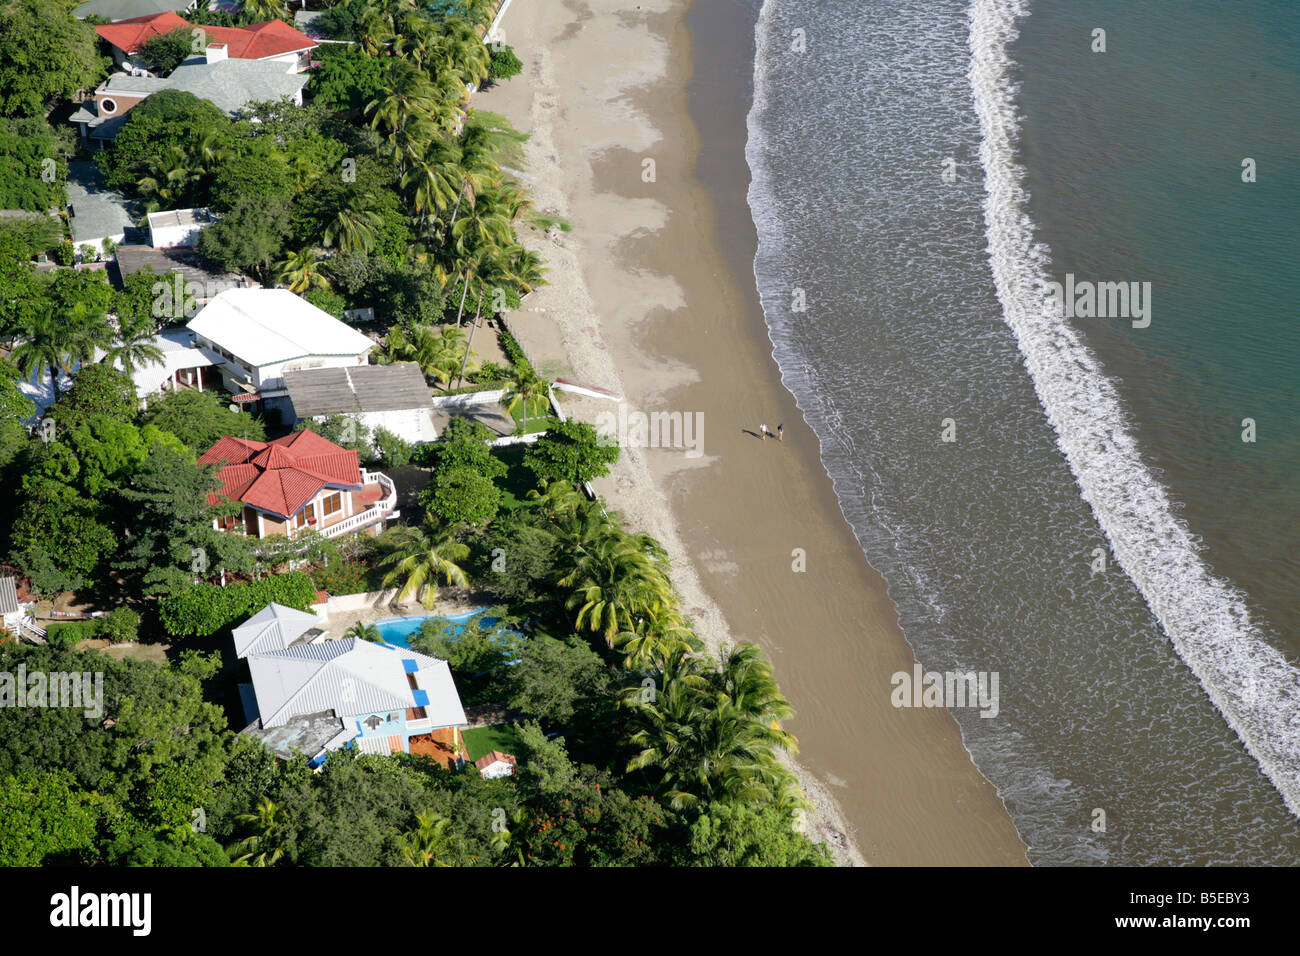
column 652, row 297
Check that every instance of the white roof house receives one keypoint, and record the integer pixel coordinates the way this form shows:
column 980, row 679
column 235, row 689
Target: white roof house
column 177, row 227
column 182, row 360
column 264, row 332
column 11, row 612
column 274, row 628
column 375, row 690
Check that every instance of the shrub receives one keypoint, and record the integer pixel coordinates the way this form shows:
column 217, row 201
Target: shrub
column 68, row 634
column 504, row 62
column 327, row 300
column 120, row 626
column 204, row 609
column 570, row 451
column 341, row 577
column 394, row 450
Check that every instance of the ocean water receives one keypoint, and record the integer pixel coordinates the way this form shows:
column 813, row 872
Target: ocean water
column 920, row 169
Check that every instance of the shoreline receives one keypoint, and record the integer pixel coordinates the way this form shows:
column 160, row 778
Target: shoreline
column 652, row 297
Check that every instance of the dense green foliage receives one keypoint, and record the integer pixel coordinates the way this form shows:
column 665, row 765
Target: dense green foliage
column 45, row 55
column 164, row 52
column 33, row 168
column 204, row 609
column 570, row 451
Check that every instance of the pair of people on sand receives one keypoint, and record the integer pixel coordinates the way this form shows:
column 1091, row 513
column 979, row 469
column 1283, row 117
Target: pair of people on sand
column 780, row 431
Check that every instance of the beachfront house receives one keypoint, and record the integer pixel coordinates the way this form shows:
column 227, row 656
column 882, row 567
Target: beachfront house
column 299, row 481
column 228, row 84
column 316, row 697
column 394, row 397
column 271, row 42
column 263, row 333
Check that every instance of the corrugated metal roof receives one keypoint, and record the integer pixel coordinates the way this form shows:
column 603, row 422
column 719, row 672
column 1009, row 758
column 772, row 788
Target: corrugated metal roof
column 273, row 628
column 8, row 597
column 350, row 677
column 362, row 388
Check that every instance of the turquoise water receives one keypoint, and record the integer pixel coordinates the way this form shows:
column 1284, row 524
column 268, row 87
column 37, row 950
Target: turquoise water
column 1134, row 171
column 398, row 630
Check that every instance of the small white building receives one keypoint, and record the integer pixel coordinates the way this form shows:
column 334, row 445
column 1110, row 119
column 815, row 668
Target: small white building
column 394, row 397
column 177, row 228
column 11, row 612
column 263, row 333
column 495, row 764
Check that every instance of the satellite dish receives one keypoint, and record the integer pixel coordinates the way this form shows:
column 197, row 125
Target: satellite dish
column 234, row 407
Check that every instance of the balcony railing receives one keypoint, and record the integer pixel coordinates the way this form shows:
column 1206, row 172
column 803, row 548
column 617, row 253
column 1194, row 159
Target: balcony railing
column 384, row 508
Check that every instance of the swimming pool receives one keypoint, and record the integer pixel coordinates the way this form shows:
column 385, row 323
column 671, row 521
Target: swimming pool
column 398, row 630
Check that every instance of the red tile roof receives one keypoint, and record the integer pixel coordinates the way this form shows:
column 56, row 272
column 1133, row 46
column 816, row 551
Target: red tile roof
column 254, row 42
column 489, row 759
column 282, row 475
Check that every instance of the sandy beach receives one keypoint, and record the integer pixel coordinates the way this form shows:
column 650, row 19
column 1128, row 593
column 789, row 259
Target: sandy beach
column 651, row 297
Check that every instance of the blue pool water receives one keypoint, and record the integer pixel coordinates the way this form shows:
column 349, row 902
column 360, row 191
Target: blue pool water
column 398, row 630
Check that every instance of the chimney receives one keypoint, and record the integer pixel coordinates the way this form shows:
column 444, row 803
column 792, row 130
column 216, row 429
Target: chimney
column 216, row 52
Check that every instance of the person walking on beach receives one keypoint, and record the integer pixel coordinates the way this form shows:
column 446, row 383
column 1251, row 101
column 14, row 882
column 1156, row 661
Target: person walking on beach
column 763, row 429
column 780, row 430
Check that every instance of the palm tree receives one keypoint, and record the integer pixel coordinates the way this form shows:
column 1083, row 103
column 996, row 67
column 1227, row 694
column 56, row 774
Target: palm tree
column 428, row 841
column 460, row 50
column 480, row 145
column 259, row 11
column 415, row 558
column 435, row 177
column 437, row 353
column 134, row 346
column 524, row 268
column 613, row 584
column 169, row 179
column 353, row 228
column 409, row 97
column 260, row 848
column 744, row 679
column 54, row 341
column 300, row 271
column 703, row 752
column 524, row 386
column 364, row 632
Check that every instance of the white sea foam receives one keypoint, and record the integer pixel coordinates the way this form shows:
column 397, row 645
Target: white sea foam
column 1247, row 679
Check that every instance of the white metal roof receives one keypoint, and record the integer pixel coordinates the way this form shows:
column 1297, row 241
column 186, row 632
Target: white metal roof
column 266, row 326
column 8, row 597
column 273, row 628
column 350, row 677
column 179, row 351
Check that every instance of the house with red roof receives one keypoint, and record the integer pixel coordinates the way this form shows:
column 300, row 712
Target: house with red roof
column 273, row 41
column 495, row 764
column 299, row 481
